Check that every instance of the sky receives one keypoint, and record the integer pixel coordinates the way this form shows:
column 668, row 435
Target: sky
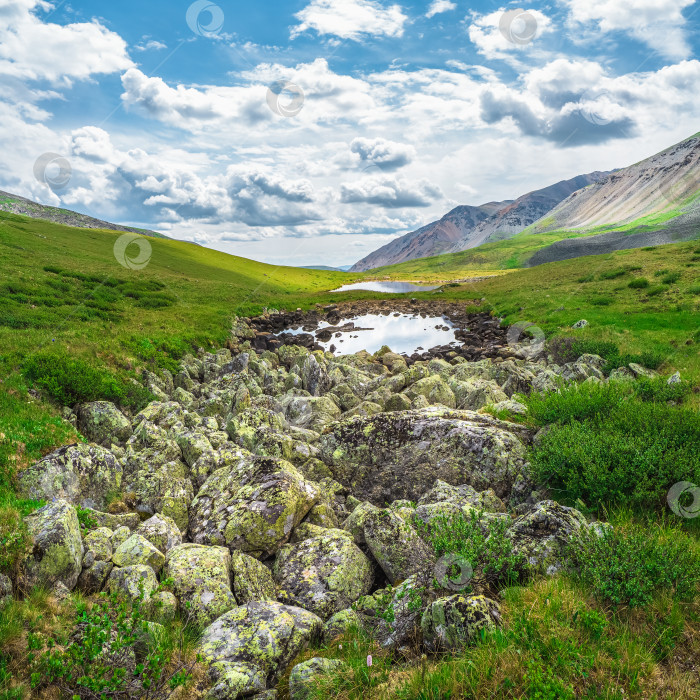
column 306, row 132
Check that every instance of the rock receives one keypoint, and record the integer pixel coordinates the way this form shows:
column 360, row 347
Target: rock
column 314, row 377
column 251, row 646
column 514, row 407
column 355, row 522
column 399, row 455
column 93, row 578
column 674, row 379
column 114, row 521
column 580, row 324
column 463, row 496
column 163, row 607
column 102, row 422
column 340, row 624
column 57, row 552
column 395, row 545
column 202, row 582
column 434, row 389
column 313, row 412
column 252, row 507
column 305, row 676
column 133, row 581
column 477, row 393
column 161, row 531
column 193, row 444
column 85, row 475
column 540, row 534
column 138, row 550
column 99, row 542
column 251, row 580
column 119, row 536
column 323, row 574
column 448, row 624
column 5, row 591
column 640, row 371
column 397, row 402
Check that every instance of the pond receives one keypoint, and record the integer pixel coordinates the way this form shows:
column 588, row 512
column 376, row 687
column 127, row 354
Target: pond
column 387, row 287
column 403, row 333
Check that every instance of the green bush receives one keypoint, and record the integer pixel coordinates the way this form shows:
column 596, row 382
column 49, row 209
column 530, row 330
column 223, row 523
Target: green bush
column 695, row 289
column 628, row 566
column 614, row 274
column 659, row 389
column 671, row 278
column 71, row 380
column 655, row 291
column 639, row 283
column 586, row 278
column 568, row 349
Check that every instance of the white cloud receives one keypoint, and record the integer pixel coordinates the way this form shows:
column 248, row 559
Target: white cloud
column 657, row 23
column 439, row 6
column 386, row 155
column 151, row 45
column 390, row 192
column 350, row 19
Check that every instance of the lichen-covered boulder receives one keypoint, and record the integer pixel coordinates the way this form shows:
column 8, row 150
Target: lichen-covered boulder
column 476, row 393
column 113, row 521
column 253, row 506
column 93, row 578
column 541, row 534
column 304, row 676
column 138, row 550
column 119, row 536
column 163, row 607
column 5, row 591
column 137, row 581
column 209, row 462
column 57, row 552
column 102, row 422
column 161, row 531
column 99, row 542
column 397, row 402
column 251, row 646
column 434, row 389
column 312, row 412
column 251, row 580
column 395, row 545
column 341, row 623
column 323, row 574
column 399, row 455
column 355, row 522
column 448, row 624
column 84, row 475
column 193, row 445
column 463, row 495
column 201, row 581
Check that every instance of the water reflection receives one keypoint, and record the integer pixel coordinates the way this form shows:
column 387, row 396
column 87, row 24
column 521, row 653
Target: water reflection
column 388, row 287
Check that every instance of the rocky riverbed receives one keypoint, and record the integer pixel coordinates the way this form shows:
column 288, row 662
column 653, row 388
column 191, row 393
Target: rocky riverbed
column 287, row 494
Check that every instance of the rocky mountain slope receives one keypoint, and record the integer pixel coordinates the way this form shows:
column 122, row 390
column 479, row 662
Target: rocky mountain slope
column 468, row 227
column 15, row 204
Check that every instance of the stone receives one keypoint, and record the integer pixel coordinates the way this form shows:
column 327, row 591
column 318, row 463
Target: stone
column 340, row 624
column 248, row 648
column 253, row 506
column 477, row 393
column 434, row 389
column 163, row 607
column 99, row 542
column 102, row 422
column 119, row 536
column 84, row 475
column 355, row 522
column 57, row 551
column 251, row 580
column 133, row 581
column 395, row 545
column 161, row 531
column 304, row 678
column 92, row 579
column 5, row 591
column 113, row 521
column 201, row 581
column 580, row 324
column 138, row 550
column 323, row 574
column 448, row 624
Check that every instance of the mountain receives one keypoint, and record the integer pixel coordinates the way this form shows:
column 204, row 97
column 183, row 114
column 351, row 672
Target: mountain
column 14, row 204
column 467, row 227
column 345, row 268
column 651, row 202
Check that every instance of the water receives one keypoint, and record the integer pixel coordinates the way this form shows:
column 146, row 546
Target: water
column 403, row 333
column 388, row 287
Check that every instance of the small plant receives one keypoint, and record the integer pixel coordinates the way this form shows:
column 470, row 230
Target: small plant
column 695, row 289
column 614, row 274
column 87, row 522
column 585, row 279
column 639, row 283
column 14, row 539
column 671, row 278
column 655, row 291
column 659, row 389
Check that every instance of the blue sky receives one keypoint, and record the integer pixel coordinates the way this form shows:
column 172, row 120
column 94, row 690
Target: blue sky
column 314, row 131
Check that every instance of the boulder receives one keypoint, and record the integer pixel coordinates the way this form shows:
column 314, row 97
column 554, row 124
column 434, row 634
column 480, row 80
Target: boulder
column 248, row 648
column 434, row 389
column 138, row 550
column 93, row 578
column 341, row 623
column 305, row 676
column 201, row 581
column 355, row 522
column 253, row 506
column 85, row 475
column 5, row 591
column 133, row 581
column 399, row 455
column 57, row 551
column 161, row 531
column 251, row 580
column 476, row 393
column 448, row 624
column 395, row 545
column 464, row 496
column 323, row 574
column 99, row 543
column 102, row 422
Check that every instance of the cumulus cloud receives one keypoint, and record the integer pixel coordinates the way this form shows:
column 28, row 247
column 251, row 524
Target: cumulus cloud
column 657, row 23
column 350, row 19
column 386, row 155
column 390, row 192
column 439, row 6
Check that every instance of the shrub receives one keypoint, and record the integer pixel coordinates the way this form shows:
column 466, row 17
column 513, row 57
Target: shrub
column 614, row 274
column 602, row 301
column 627, row 567
column 695, row 289
column 655, row 291
column 661, row 273
column 14, row 539
column 568, row 349
column 639, row 283
column 659, row 389
column 586, row 278
column 671, row 278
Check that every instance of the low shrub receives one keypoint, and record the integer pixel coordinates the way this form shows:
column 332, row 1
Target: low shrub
column 628, row 566
column 655, row 291
column 639, row 283
column 659, row 389
column 671, row 278
column 614, row 274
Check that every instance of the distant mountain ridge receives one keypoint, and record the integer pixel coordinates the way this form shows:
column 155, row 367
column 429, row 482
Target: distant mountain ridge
column 470, row 226
column 14, row 204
